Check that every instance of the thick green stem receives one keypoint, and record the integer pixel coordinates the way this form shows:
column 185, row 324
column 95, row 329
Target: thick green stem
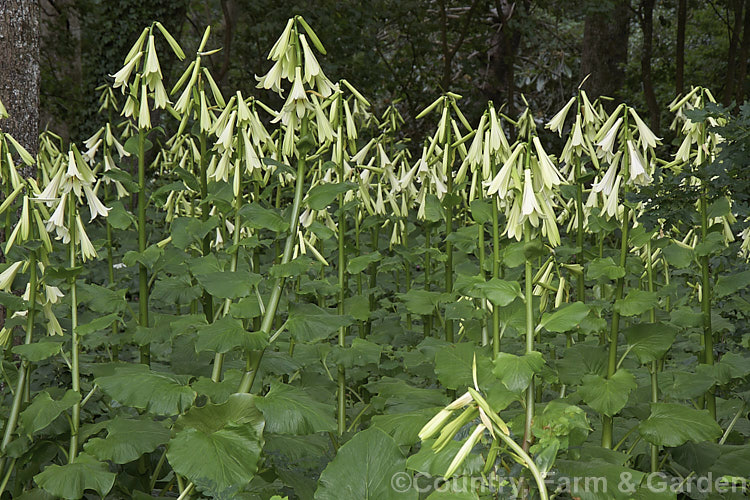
column 362, row 329
column 75, row 420
column 343, row 289
column 111, row 274
column 654, row 369
column 495, row 274
column 448, row 231
column 708, row 337
column 427, row 267
column 23, row 371
column 372, row 270
column 581, row 283
column 219, row 357
column 529, row 297
column 485, row 332
column 607, row 421
column 207, row 299
column 142, row 271
column 273, row 302
column 407, row 266
column 528, row 462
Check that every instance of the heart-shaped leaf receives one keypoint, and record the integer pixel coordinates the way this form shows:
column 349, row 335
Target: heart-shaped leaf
column 672, row 424
column 607, row 396
column 70, row 481
column 290, row 410
column 217, row 447
column 156, row 392
column 363, row 469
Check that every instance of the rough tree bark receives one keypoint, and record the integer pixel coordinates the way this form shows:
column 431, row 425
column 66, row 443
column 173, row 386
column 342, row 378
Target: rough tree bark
column 734, row 42
column 605, row 48
column 647, row 26
column 679, row 77
column 506, row 40
column 19, row 70
column 744, row 53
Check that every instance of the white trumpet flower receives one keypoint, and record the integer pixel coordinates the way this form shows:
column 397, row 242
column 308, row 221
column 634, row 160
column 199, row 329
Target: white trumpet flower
column 557, row 122
column 638, row 174
column 7, row 276
column 647, row 137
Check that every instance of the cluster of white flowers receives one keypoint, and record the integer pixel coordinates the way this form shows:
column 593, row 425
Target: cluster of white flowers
column 148, row 80
column 526, row 186
column 73, row 179
column 295, row 62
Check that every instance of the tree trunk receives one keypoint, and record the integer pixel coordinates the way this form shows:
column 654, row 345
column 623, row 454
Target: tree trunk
column 744, row 53
column 647, row 26
column 605, row 49
column 19, row 71
column 502, row 58
column 679, row 78
column 734, row 41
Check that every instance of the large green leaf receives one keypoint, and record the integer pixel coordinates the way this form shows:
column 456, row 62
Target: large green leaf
column 364, row 469
column 566, row 318
column 71, row 480
column 101, row 323
column 258, row 217
column 175, row 289
column 310, row 323
column 229, row 284
column 127, row 439
column 731, row 283
column 101, row 299
column 226, row 334
column 650, row 341
column 579, row 360
column 685, row 385
column 607, row 396
column 188, row 230
column 359, row 264
column 498, row 291
column 453, row 365
column 118, row 217
column 516, row 372
column 672, row 424
column 604, row 268
column 323, row 195
column 38, row 351
column 430, row 463
column 217, row 447
column 597, row 480
column 405, row 427
column 636, row 302
column 43, row 410
column 156, row 392
column 290, row 410
column 361, row 353
column 419, row 301
column 678, row 255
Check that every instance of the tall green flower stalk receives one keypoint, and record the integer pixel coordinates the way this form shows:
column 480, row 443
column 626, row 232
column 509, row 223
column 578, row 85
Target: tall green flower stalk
column 72, row 183
column 488, row 148
column 442, row 151
column 345, row 134
column 578, row 150
column 527, row 187
column 696, row 152
column 628, row 151
column 142, row 64
column 654, row 367
column 23, row 370
column 293, row 58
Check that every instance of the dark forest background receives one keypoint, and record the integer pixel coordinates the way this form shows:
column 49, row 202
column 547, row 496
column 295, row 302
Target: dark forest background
column 408, row 51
